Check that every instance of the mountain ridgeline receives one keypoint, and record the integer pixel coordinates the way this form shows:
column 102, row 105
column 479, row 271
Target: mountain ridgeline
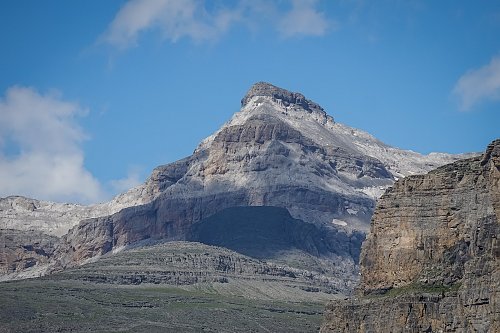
column 280, row 181
column 259, row 228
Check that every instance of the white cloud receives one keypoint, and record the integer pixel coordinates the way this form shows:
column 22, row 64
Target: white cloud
column 479, row 85
column 132, row 180
column 48, row 162
column 303, row 20
column 176, row 19
column 173, row 18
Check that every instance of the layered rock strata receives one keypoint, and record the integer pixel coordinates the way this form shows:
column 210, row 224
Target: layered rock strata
column 186, row 263
column 431, row 260
column 281, row 150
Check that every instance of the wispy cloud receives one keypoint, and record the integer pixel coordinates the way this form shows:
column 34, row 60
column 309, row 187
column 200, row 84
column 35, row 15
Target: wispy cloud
column 176, row 19
column 479, row 85
column 41, row 153
column 132, row 179
column 303, row 20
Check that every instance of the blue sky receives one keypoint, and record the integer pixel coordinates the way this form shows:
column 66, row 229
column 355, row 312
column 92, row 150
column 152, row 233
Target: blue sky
column 95, row 94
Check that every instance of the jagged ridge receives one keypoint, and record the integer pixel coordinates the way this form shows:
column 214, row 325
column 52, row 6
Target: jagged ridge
column 285, row 97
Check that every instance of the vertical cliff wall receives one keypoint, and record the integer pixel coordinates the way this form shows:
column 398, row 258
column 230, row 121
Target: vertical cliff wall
column 431, row 260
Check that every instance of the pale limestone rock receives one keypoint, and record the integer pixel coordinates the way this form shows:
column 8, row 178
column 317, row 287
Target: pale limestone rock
column 280, row 150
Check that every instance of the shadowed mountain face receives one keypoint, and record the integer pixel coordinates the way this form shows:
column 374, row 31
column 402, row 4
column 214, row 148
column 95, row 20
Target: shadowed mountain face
column 316, row 181
column 270, row 232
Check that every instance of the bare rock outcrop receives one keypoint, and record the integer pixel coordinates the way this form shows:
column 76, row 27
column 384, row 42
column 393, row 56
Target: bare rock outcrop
column 22, row 250
column 262, row 161
column 280, row 150
column 283, row 96
column 431, row 260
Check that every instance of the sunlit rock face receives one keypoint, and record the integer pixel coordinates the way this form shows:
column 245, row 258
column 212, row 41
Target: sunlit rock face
column 431, row 260
column 280, row 150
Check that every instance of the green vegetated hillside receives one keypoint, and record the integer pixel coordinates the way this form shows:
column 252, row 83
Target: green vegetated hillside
column 176, row 286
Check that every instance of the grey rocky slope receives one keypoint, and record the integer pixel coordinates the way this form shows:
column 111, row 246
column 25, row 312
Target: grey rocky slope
column 280, row 150
column 53, row 218
column 27, row 224
column 182, row 263
column 431, row 260
column 21, row 250
column 303, row 115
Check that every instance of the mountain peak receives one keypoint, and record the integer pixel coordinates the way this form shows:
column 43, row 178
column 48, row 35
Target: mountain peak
column 286, row 97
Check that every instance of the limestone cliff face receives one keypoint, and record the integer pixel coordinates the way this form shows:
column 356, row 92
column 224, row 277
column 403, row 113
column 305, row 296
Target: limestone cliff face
column 261, row 158
column 280, row 150
column 21, row 250
column 55, row 219
column 431, row 260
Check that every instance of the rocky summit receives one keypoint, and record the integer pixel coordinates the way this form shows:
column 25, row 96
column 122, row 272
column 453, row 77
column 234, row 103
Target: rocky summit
column 431, row 260
column 257, row 230
column 281, row 173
